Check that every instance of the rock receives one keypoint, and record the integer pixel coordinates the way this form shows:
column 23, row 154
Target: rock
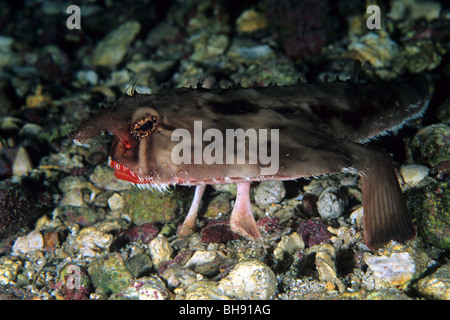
column 418, row 57
column 22, row 164
column 443, row 112
column 396, row 269
column 269, row 192
column 7, row 56
column 288, row 245
column 139, row 265
column 109, row 274
column 326, row 267
column 219, row 205
column 73, row 198
column 147, row 288
column 250, row 21
column 314, row 232
column 145, row 206
column 206, row 46
column 357, row 217
column 84, row 216
column 160, row 251
column 376, row 48
column 429, row 205
column 8, row 270
column 218, row 231
column 436, row 286
column 103, row 177
column 248, row 280
column 116, row 202
column 432, row 144
column 87, row 77
column 413, row 9
column 74, row 283
column 15, row 208
column 143, row 233
column 331, row 203
column 245, row 51
column 178, row 276
column 413, row 174
column 206, row 263
column 309, row 204
column 204, row 290
column 111, row 50
column 229, row 187
column 31, row 242
column 90, row 242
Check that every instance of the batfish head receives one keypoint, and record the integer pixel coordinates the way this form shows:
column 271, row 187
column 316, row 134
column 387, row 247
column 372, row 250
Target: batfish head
column 134, row 124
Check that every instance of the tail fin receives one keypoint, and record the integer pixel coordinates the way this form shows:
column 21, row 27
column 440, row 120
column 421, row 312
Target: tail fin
column 385, row 214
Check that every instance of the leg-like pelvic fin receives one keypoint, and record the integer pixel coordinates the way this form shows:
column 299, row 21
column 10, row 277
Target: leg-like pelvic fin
column 242, row 221
column 189, row 225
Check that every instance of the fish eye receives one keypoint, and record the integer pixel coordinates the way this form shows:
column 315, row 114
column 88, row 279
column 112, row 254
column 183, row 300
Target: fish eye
column 145, row 126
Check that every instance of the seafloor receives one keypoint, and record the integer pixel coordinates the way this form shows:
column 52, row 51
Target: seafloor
column 70, row 230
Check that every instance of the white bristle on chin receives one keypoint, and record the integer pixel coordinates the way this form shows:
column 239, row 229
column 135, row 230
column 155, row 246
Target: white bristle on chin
column 160, row 187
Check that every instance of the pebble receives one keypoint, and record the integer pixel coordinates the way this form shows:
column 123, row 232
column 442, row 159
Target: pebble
column 250, row 21
column 288, row 245
column 413, row 174
column 90, row 242
column 414, row 9
column 178, row 276
column 87, row 77
column 139, row 265
column 207, row 262
column 31, row 242
column 356, row 217
column 396, row 269
column 429, row 205
column 376, row 48
column 83, row 215
column 8, row 270
column 115, row 202
column 146, row 206
column 109, row 274
column 204, row 290
column 22, row 164
column 326, row 267
column 269, row 192
column 436, row 286
column 331, row 203
column 432, row 144
column 103, row 177
column 73, row 197
column 111, row 50
column 146, row 288
column 248, row 280
column 160, row 251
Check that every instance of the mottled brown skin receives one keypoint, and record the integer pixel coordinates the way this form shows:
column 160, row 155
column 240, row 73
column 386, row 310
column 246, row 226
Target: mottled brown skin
column 320, row 127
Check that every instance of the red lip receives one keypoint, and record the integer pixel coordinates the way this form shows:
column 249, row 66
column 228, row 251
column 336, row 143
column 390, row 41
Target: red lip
column 123, row 173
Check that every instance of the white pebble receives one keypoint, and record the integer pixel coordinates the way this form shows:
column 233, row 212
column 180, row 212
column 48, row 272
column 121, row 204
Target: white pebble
column 31, row 242
column 331, row 203
column 396, row 269
column 160, row 250
column 91, row 242
column 22, row 163
column 413, row 174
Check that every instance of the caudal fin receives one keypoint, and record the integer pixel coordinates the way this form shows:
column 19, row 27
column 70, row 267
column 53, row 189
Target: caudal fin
column 385, row 214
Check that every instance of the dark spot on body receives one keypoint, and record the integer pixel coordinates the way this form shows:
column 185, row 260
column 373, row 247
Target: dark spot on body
column 286, row 111
column 237, row 107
